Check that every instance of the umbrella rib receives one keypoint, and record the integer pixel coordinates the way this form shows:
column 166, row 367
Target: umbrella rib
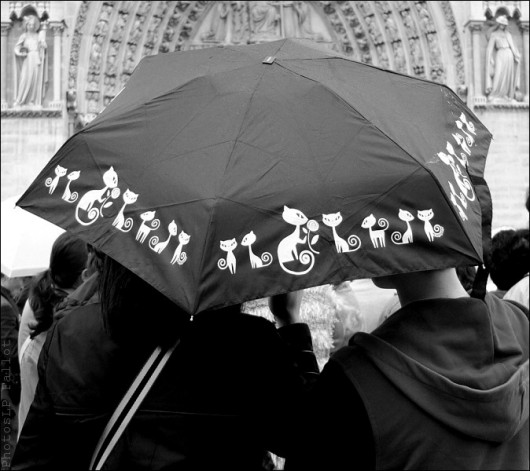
column 419, row 79
column 438, row 184
column 201, row 265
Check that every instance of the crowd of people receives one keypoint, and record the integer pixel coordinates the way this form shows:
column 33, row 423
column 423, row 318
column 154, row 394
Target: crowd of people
column 103, row 370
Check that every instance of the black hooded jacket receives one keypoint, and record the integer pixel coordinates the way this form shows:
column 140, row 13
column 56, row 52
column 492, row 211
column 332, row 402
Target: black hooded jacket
column 442, row 384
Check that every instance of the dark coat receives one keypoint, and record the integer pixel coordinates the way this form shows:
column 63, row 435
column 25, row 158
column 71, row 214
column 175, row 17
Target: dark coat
column 442, row 384
column 218, row 403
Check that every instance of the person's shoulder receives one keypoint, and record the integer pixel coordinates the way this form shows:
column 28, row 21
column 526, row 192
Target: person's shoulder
column 520, row 292
column 8, row 305
column 513, row 310
column 81, row 318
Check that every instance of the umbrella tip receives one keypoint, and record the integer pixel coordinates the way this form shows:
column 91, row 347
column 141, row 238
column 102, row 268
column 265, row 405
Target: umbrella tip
column 269, row 60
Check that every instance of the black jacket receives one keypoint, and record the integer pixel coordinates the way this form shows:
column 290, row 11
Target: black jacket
column 442, row 384
column 218, row 404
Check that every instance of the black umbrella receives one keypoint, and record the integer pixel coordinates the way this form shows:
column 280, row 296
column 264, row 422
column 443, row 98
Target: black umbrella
column 227, row 174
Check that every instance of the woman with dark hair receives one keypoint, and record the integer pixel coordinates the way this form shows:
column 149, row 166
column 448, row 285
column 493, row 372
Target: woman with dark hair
column 68, row 259
column 217, row 404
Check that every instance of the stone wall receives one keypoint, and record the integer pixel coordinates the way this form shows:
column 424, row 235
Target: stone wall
column 507, row 164
column 27, row 145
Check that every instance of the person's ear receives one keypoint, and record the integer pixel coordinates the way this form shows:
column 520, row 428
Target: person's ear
column 85, row 274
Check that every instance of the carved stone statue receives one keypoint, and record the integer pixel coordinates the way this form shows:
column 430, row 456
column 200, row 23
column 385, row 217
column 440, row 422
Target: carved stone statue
column 31, row 71
column 502, row 63
column 265, row 20
column 296, row 17
column 220, row 25
column 228, row 24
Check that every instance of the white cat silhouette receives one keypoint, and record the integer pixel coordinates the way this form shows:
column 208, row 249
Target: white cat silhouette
column 406, row 237
column 333, row 220
column 157, row 246
column 52, row 183
column 437, row 231
column 255, row 262
column 87, row 201
column 378, row 236
column 230, row 261
column 179, row 256
column 287, row 248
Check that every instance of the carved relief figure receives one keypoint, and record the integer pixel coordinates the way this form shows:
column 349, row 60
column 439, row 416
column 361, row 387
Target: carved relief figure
column 220, row 25
column 265, row 20
column 31, row 71
column 228, row 23
column 239, row 21
column 391, row 26
column 296, row 17
column 373, row 30
column 425, row 18
column 502, row 63
column 400, row 64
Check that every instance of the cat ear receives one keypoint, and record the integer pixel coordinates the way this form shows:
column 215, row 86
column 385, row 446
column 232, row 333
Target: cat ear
column 285, row 208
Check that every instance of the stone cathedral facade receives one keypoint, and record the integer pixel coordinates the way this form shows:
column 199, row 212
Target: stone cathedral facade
column 63, row 62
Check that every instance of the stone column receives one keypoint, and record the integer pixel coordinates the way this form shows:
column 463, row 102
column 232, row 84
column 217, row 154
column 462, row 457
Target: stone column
column 476, row 28
column 3, row 57
column 524, row 28
column 57, row 28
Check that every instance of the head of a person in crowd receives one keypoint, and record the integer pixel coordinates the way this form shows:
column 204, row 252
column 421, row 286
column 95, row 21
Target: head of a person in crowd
column 18, row 287
column 510, row 257
column 68, row 259
column 134, row 309
column 13, row 285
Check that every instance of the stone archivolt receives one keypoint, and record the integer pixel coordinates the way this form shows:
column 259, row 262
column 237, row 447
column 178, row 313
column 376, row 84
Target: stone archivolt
column 397, row 35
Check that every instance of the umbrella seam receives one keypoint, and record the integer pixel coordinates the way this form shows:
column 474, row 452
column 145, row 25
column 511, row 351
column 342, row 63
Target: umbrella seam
column 438, row 184
column 201, row 265
column 199, row 112
column 125, row 109
column 419, row 79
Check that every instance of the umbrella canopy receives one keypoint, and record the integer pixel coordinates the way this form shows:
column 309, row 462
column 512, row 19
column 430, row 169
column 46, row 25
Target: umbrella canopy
column 27, row 241
column 228, row 174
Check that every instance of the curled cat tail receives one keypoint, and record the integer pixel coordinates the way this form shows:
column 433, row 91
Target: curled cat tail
column 306, row 257
column 222, row 263
column 266, row 258
column 182, row 259
column 397, row 238
column 92, row 215
column 48, row 182
column 73, row 197
column 155, row 224
column 127, row 225
column 354, row 242
column 467, row 186
column 153, row 241
column 383, row 223
column 438, row 230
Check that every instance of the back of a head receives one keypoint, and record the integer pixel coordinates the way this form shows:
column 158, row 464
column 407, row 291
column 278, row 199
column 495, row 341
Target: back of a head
column 510, row 257
column 68, row 259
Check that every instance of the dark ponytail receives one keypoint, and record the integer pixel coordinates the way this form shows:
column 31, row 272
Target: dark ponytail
column 132, row 308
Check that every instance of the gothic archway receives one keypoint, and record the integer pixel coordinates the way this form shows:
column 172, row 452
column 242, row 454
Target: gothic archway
column 418, row 38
